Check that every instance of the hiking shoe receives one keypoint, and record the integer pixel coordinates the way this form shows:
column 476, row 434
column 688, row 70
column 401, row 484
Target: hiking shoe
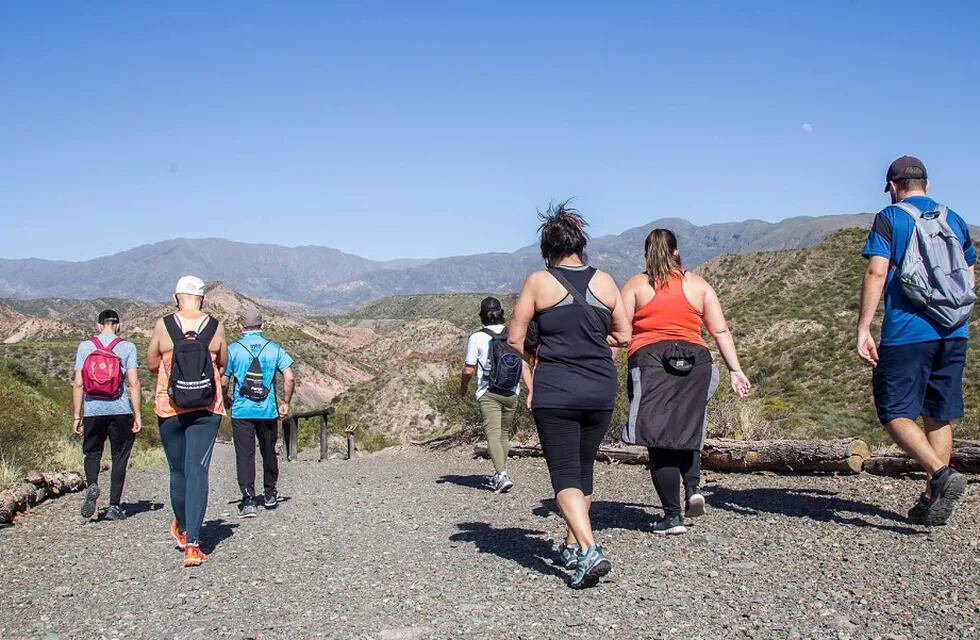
column 180, row 537
column 694, row 507
column 502, row 483
column 193, row 556
column 115, row 512
column 91, row 496
column 669, row 526
column 947, row 486
column 918, row 511
column 271, row 500
column 592, row 565
column 568, row 553
column 246, row 508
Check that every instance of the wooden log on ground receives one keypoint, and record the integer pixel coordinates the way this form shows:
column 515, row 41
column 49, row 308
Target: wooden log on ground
column 778, row 456
column 36, row 488
column 965, row 458
column 785, row 456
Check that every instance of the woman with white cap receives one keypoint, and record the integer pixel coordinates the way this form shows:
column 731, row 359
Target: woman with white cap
column 188, row 353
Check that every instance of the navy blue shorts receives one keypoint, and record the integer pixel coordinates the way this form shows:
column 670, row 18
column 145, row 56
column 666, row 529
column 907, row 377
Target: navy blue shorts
column 920, row 379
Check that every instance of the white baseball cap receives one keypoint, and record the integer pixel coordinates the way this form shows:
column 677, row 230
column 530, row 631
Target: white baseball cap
column 191, row 285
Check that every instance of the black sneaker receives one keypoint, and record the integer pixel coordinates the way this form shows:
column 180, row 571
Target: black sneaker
column 91, row 496
column 947, row 486
column 919, row 510
column 669, row 526
column 115, row 512
column 246, row 508
column 271, row 499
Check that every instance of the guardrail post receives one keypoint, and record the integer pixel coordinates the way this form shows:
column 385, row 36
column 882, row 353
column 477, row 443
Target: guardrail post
column 290, row 437
column 350, row 436
column 323, row 437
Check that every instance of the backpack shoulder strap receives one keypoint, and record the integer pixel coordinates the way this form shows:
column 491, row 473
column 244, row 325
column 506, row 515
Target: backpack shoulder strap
column 489, row 333
column 98, row 343
column 112, row 345
column 909, row 208
column 174, row 328
column 206, row 334
column 579, row 299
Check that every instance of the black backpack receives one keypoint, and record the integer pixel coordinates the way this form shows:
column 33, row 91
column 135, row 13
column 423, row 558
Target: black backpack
column 191, row 371
column 253, row 386
column 504, row 364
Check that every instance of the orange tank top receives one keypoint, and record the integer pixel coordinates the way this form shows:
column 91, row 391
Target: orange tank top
column 164, row 406
column 669, row 316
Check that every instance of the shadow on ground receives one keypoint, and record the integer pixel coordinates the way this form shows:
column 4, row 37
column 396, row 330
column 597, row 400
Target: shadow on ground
column 815, row 504
column 472, row 482
column 141, row 506
column 523, row 546
column 214, row 532
column 607, row 515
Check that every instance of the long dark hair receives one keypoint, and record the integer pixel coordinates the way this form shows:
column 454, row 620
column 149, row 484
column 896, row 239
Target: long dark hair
column 562, row 233
column 662, row 257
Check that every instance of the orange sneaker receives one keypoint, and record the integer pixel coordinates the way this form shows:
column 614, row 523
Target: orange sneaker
column 193, row 556
column 179, row 536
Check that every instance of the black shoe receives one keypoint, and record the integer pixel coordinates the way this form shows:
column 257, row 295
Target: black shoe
column 246, row 508
column 91, row 496
column 669, row 526
column 919, row 510
column 947, row 486
column 115, row 512
column 271, row 500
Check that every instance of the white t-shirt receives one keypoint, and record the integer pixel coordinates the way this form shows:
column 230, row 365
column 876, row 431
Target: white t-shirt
column 478, row 355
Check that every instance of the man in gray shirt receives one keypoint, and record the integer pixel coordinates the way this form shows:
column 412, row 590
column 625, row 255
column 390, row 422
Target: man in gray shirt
column 101, row 411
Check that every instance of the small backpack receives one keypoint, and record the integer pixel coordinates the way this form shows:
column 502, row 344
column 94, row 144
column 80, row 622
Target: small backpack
column 504, row 372
column 191, row 373
column 102, row 375
column 935, row 276
column 253, row 386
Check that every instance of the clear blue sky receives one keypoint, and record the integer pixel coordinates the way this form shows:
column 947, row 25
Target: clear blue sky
column 431, row 129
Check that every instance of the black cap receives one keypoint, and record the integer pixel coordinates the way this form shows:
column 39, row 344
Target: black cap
column 108, row 316
column 490, row 304
column 906, row 168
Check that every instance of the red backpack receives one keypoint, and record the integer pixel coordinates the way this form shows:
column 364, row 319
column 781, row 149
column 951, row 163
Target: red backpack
column 102, row 371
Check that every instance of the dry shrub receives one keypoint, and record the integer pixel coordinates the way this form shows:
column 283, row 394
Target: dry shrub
column 740, row 419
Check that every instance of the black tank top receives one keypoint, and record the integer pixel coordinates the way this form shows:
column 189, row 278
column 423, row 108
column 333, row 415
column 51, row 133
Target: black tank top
column 575, row 369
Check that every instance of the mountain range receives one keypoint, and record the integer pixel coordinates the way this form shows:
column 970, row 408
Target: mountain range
column 321, row 278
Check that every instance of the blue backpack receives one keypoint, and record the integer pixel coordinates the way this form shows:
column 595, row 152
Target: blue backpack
column 505, row 364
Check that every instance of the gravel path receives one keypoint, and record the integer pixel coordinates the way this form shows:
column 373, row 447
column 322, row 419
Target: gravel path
column 402, row 544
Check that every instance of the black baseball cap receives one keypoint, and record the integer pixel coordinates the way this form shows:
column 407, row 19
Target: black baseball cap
column 490, row 304
column 906, row 168
column 108, row 316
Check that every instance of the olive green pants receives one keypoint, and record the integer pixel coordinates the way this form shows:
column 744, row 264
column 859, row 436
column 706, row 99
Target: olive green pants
column 498, row 419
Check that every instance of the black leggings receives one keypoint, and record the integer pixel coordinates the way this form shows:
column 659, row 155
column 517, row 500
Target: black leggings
column 570, row 439
column 119, row 430
column 667, row 468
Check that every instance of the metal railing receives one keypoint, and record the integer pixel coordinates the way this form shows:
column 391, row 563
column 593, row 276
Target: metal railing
column 290, row 432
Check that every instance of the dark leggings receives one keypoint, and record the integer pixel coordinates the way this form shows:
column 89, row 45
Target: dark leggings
column 668, row 467
column 119, row 430
column 244, row 433
column 188, row 440
column 570, row 439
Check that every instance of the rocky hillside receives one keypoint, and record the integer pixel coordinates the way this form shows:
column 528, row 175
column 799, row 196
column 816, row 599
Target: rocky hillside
column 304, row 278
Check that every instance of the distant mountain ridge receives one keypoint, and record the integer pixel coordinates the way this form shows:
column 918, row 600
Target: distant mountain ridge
column 329, row 279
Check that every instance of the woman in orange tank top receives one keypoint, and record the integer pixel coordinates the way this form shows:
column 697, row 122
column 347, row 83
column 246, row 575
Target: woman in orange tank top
column 671, row 374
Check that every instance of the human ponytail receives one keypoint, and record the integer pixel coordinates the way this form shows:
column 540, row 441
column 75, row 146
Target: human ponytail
column 661, row 256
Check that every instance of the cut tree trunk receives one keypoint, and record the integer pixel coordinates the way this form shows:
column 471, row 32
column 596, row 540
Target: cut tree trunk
column 965, row 458
column 37, row 488
column 778, row 456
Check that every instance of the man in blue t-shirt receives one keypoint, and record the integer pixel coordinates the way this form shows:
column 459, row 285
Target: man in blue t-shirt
column 98, row 418
column 918, row 366
column 250, row 391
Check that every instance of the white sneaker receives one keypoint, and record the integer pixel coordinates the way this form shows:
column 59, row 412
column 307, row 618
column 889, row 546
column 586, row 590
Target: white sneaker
column 503, row 483
column 695, row 506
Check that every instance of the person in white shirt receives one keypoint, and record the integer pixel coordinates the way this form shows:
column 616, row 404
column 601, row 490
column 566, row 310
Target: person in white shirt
column 497, row 405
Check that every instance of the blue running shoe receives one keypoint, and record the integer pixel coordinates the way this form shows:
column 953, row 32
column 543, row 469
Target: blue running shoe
column 592, row 565
column 569, row 555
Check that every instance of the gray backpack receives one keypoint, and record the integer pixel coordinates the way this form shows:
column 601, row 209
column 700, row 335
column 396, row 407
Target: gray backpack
column 935, row 276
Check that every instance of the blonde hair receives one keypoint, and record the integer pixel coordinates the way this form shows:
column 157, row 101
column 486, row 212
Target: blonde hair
column 662, row 257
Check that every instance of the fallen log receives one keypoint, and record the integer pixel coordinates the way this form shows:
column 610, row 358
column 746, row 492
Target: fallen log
column 779, row 456
column 36, row 488
column 965, row 458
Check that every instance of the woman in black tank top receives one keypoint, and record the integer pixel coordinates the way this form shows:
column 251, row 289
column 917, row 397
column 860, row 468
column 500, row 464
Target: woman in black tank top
column 579, row 317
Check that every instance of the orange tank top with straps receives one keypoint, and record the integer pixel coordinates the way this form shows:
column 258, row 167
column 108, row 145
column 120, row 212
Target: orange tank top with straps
column 668, row 316
column 163, row 405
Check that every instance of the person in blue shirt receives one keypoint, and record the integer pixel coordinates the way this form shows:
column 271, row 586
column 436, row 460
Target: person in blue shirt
column 918, row 365
column 255, row 417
